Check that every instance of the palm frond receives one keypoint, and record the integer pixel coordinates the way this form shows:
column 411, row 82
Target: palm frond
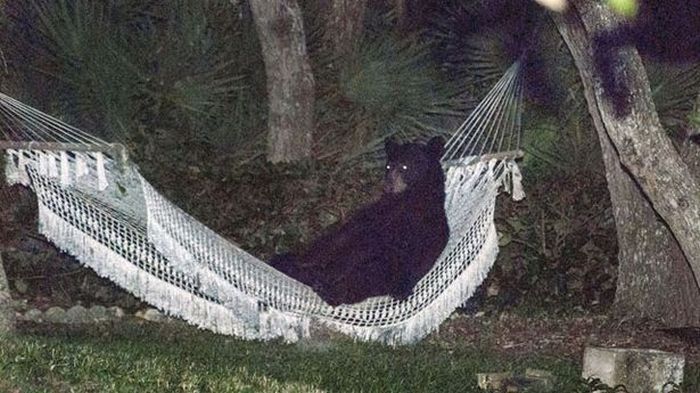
column 675, row 89
column 124, row 65
column 392, row 88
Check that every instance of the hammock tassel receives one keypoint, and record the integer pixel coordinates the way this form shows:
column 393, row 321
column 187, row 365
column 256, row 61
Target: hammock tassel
column 15, row 168
column 80, row 166
column 52, row 167
column 101, row 174
column 65, row 169
column 516, row 181
column 43, row 164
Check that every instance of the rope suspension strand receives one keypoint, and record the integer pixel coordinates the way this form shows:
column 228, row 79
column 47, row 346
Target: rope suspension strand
column 26, row 124
column 117, row 223
column 25, row 128
column 494, row 125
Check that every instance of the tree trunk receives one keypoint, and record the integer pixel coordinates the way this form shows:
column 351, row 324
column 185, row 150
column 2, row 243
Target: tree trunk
column 7, row 313
column 654, row 278
column 290, row 82
column 344, row 25
column 658, row 268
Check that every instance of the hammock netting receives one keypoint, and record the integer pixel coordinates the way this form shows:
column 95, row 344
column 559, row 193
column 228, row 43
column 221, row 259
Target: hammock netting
column 96, row 206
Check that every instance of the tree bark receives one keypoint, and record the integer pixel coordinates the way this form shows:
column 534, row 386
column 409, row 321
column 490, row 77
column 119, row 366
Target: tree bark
column 690, row 146
column 401, row 13
column 658, row 268
column 344, row 24
column 7, row 313
column 690, row 151
column 290, row 82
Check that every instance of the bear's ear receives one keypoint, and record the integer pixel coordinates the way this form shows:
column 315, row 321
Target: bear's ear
column 435, row 147
column 390, row 146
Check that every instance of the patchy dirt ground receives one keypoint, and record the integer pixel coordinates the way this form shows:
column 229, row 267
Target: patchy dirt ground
column 515, row 335
column 508, row 335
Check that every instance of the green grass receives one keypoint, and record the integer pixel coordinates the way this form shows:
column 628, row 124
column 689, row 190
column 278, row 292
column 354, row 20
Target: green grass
column 146, row 358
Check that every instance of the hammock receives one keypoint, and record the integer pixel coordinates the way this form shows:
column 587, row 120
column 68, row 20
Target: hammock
column 94, row 204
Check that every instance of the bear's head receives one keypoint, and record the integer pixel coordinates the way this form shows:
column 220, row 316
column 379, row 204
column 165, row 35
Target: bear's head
column 413, row 165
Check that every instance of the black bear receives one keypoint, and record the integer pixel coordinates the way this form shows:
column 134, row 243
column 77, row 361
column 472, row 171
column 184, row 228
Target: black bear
column 386, row 247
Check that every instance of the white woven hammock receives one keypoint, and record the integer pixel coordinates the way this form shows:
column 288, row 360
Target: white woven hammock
column 97, row 207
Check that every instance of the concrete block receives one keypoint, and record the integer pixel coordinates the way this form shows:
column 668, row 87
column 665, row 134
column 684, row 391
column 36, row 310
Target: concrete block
column 639, row 370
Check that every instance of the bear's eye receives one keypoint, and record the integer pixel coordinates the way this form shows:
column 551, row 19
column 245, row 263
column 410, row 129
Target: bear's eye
column 388, row 167
column 404, row 167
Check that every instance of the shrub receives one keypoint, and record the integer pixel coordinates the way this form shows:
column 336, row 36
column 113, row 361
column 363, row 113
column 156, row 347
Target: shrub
column 390, row 88
column 124, row 68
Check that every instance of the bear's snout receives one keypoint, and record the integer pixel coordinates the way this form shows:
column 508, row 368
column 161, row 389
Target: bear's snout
column 394, row 183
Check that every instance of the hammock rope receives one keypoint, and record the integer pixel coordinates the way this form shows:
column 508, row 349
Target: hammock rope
column 102, row 211
column 498, row 113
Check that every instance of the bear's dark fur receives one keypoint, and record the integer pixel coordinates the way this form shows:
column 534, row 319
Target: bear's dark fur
column 386, row 247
